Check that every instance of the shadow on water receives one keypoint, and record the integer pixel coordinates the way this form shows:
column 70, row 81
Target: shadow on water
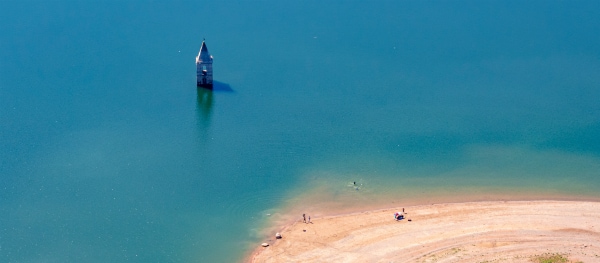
column 221, row 87
column 204, row 106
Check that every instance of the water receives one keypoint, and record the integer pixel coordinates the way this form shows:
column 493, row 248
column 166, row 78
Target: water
column 109, row 153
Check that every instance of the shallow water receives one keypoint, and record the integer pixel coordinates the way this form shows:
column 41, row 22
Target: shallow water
column 109, row 152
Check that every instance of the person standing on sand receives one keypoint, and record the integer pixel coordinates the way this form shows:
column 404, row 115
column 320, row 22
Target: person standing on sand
column 304, row 218
column 309, row 219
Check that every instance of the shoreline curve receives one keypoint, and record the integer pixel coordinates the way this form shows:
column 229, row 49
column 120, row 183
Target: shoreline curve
column 491, row 231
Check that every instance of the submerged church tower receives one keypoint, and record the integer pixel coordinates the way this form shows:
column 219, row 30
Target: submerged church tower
column 204, row 73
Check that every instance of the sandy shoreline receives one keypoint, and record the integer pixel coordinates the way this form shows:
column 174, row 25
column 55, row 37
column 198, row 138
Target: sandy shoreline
column 508, row 231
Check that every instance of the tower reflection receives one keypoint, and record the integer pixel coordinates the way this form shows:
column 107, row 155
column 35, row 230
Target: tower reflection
column 204, row 109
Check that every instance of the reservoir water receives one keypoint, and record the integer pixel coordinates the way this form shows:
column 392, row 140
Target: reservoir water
column 110, row 153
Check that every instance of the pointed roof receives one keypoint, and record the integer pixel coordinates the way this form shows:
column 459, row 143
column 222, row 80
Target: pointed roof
column 203, row 55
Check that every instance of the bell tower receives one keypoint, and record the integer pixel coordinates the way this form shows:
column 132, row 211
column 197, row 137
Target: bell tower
column 204, row 73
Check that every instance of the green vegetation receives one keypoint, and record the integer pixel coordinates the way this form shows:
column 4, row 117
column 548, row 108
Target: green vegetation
column 551, row 258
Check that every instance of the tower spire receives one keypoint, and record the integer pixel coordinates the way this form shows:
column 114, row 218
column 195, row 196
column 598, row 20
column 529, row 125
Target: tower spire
column 204, row 74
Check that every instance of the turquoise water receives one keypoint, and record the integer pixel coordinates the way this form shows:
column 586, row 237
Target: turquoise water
column 109, row 152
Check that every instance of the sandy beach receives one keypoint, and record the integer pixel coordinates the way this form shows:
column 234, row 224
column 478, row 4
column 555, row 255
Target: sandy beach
column 502, row 231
